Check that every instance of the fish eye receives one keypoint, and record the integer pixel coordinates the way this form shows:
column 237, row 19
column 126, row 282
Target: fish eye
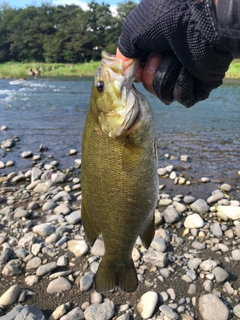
column 100, row 86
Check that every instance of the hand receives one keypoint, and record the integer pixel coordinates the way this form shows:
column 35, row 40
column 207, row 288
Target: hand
column 185, row 58
column 145, row 72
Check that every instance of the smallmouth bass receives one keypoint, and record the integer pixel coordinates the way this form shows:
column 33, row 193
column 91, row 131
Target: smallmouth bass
column 118, row 172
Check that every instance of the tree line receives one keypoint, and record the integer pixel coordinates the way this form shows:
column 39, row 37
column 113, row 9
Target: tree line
column 60, row 34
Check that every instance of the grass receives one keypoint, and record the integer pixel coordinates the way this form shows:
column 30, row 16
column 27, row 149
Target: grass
column 21, row 70
column 234, row 70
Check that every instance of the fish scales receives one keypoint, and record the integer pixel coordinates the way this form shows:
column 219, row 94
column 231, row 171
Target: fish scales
column 119, row 191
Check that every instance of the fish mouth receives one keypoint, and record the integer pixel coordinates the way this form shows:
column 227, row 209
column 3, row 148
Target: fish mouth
column 120, row 120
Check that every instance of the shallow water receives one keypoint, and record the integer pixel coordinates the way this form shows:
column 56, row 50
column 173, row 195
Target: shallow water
column 51, row 112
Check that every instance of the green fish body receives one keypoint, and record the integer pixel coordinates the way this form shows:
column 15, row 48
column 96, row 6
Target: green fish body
column 118, row 172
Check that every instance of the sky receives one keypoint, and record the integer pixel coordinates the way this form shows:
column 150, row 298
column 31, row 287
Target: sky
column 83, row 3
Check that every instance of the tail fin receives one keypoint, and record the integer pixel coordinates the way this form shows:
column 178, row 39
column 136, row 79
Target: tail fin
column 108, row 276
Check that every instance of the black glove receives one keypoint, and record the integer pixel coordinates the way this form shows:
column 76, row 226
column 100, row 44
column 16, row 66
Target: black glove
column 195, row 58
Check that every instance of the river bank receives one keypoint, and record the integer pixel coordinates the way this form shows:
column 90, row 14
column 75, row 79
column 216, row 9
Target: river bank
column 14, row 70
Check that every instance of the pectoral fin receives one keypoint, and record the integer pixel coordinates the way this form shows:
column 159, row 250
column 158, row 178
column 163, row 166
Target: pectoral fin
column 91, row 232
column 148, row 234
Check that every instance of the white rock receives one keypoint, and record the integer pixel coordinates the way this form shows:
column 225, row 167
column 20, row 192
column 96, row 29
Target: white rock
column 208, row 265
column 58, row 312
column 78, row 247
column 232, row 212
column 10, row 296
column 147, row 304
column 212, row 308
column 43, row 229
column 58, row 285
column 236, row 254
column 26, row 154
column 193, row 221
column 42, row 187
column 162, row 171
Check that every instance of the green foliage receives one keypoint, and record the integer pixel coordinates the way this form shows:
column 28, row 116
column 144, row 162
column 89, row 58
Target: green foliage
column 60, row 33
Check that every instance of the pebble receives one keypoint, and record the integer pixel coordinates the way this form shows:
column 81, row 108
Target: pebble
column 24, row 312
column 193, row 221
column 236, row 254
column 74, row 217
column 42, row 240
column 10, row 296
column 220, row 274
column 58, row 285
column 199, row 206
column 86, row 281
column 169, row 312
column 236, row 310
column 147, row 304
column 75, row 314
column 171, row 215
column 78, row 247
column 26, row 154
column 212, row 308
column 43, row 229
column 103, row 311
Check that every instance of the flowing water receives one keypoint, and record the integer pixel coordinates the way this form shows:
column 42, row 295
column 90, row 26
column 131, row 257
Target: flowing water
column 51, row 112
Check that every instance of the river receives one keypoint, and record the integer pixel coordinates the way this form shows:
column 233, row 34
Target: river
column 51, row 112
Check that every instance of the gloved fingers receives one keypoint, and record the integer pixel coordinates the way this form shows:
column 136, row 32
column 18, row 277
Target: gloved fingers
column 165, row 78
column 189, row 90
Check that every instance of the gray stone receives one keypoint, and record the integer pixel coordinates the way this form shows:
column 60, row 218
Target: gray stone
column 24, row 312
column 35, row 174
column 220, row 274
column 31, row 280
column 236, row 310
column 5, row 255
column 58, row 285
column 46, row 268
column 188, row 199
column 157, row 259
column 62, row 196
column 193, row 221
column 12, row 268
column 236, row 254
column 43, row 229
column 62, row 209
column 74, row 217
column 58, row 177
column 171, row 215
column 215, row 197
column 10, row 296
column 75, row 314
column 103, row 311
column 169, row 312
column 96, row 298
column 208, row 265
column 216, row 230
column 26, row 154
column 159, row 244
column 78, row 247
column 86, row 281
column 194, row 263
column 34, row 263
column 43, row 187
column 48, row 205
column 147, row 304
column 212, row 308
column 98, row 248
column 226, row 187
column 199, row 206
column 20, row 213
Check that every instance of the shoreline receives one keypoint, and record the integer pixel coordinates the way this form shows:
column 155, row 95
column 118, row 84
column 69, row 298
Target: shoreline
column 14, row 70
column 190, row 270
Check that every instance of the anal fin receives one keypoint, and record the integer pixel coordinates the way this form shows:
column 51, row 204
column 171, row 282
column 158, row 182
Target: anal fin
column 148, row 234
column 91, row 232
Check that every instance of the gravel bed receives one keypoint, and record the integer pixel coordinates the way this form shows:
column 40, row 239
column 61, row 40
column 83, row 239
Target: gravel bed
column 47, row 268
